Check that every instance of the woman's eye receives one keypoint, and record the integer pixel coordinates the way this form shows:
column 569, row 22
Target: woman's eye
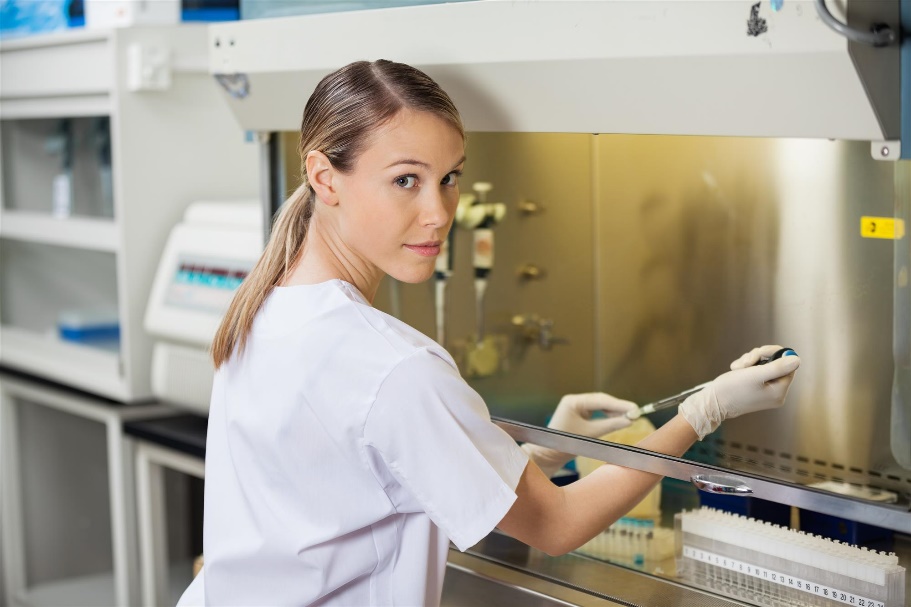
column 406, row 181
column 452, row 178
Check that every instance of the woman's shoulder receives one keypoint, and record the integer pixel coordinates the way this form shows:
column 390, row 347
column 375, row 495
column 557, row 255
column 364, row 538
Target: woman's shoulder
column 386, row 331
column 336, row 318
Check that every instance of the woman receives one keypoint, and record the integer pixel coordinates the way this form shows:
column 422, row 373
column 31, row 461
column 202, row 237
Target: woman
column 344, row 449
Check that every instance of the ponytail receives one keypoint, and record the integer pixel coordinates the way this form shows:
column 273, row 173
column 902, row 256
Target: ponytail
column 288, row 232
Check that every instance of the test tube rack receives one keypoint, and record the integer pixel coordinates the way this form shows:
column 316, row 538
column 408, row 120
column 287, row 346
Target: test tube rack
column 764, row 564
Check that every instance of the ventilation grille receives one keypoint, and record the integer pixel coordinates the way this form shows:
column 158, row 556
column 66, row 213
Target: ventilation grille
column 798, row 468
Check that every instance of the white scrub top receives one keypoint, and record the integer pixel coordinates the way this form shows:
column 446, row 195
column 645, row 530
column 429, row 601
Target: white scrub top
column 344, row 452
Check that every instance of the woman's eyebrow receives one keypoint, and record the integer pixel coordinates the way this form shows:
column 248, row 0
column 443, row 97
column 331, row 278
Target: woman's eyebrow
column 410, row 161
column 419, row 163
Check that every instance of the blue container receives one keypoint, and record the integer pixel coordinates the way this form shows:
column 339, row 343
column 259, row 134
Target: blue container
column 89, row 327
column 844, row 530
column 261, row 9
column 25, row 17
column 190, row 10
column 759, row 509
column 210, row 10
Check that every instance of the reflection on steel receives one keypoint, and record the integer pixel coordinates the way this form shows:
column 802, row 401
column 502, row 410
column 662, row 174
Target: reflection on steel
column 577, row 579
column 720, row 483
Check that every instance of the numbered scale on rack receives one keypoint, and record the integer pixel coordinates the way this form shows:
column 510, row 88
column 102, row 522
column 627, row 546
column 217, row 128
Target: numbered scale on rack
column 776, row 577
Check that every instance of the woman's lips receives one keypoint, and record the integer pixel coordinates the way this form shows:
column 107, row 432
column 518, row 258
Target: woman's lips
column 425, row 249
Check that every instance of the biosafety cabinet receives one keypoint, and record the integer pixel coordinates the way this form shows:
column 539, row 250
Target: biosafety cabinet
column 682, row 181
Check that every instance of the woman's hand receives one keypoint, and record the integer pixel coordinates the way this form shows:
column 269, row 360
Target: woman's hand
column 748, row 387
column 576, row 414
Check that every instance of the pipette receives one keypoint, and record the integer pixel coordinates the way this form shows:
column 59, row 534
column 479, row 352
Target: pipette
column 673, row 401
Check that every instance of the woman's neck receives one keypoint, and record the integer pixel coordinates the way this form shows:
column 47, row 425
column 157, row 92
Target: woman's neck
column 324, row 258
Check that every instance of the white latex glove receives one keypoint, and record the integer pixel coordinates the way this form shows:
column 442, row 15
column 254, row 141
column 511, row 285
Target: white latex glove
column 744, row 389
column 574, row 415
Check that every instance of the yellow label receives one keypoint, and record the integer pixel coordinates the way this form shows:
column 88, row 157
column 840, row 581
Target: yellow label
column 882, row 227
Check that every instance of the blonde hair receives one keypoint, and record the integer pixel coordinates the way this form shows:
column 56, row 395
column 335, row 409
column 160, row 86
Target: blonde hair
column 346, row 107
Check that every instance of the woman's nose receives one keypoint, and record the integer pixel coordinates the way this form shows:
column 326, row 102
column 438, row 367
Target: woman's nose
column 437, row 210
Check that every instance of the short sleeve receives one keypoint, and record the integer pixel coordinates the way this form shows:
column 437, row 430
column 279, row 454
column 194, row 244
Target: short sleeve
column 434, row 433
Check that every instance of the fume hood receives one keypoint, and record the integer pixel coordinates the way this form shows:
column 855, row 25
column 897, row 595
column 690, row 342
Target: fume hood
column 732, row 91
column 678, row 67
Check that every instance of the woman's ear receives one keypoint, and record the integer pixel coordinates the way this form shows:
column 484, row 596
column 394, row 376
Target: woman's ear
column 320, row 174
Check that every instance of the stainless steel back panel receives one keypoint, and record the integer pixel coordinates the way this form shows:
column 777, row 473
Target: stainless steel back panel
column 664, row 258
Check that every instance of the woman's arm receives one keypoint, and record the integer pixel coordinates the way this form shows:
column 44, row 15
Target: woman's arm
column 560, row 519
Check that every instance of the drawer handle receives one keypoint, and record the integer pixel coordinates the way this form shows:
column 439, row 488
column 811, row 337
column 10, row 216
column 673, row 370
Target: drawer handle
column 718, row 483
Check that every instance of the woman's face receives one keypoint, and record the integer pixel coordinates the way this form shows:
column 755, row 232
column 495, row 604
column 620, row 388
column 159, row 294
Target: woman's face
column 395, row 208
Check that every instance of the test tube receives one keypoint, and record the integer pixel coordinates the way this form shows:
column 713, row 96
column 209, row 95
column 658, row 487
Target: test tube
column 639, row 558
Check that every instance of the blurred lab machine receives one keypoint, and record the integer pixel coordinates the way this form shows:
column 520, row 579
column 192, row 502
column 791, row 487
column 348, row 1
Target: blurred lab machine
column 681, row 181
column 207, row 255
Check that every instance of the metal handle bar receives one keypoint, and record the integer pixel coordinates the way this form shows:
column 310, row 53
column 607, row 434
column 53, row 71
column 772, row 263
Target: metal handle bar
column 890, row 516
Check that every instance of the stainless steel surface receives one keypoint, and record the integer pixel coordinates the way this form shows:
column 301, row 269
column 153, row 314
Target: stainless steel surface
column 742, row 243
column 888, row 516
column 829, row 294
column 900, row 438
column 591, row 581
column 721, row 483
column 475, row 582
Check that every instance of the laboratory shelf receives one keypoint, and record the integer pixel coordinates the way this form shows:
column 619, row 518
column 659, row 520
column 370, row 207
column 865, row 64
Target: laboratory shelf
column 55, row 107
column 61, row 64
column 87, row 133
column 78, row 232
column 81, row 366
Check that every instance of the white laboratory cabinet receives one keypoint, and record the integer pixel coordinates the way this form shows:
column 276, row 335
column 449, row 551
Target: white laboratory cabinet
column 68, row 508
column 107, row 136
